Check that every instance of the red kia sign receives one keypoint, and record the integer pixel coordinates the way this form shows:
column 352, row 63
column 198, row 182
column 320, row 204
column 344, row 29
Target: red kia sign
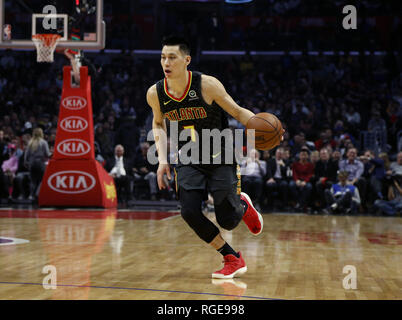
column 74, row 124
column 73, row 147
column 71, row 182
column 74, row 103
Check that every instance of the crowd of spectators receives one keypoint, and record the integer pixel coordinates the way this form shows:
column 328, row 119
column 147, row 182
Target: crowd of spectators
column 325, row 104
column 257, row 25
column 368, row 183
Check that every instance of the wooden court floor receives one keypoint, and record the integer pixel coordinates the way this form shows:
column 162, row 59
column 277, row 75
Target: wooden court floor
column 110, row 254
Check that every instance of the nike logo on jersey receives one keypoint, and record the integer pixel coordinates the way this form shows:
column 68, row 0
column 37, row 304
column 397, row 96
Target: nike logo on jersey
column 166, row 102
column 215, row 155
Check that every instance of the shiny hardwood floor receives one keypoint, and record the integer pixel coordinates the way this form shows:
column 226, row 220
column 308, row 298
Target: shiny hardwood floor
column 148, row 255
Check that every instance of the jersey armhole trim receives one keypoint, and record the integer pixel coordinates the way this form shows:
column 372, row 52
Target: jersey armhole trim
column 213, row 104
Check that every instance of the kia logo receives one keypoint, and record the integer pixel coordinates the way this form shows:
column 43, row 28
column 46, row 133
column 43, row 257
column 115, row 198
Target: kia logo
column 71, row 182
column 73, row 147
column 74, row 124
column 74, row 103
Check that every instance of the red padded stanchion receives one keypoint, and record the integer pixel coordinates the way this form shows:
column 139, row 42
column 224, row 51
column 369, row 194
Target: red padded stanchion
column 73, row 177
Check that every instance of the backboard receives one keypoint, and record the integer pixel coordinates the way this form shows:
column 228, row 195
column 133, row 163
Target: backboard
column 79, row 23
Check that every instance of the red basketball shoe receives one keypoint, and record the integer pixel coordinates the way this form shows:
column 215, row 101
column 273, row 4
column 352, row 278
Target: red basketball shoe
column 252, row 218
column 233, row 267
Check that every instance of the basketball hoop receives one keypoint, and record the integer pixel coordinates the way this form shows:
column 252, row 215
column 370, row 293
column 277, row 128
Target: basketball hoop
column 45, row 45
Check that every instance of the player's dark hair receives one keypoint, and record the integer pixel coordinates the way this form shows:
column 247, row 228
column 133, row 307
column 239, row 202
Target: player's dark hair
column 173, row 40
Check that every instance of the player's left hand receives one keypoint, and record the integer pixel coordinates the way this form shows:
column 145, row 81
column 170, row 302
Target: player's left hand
column 163, row 169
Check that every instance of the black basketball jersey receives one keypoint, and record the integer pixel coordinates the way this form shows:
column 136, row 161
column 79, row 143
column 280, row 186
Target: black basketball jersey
column 193, row 113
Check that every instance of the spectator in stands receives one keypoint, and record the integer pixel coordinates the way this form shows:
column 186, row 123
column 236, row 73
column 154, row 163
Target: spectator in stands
column 128, row 135
column 388, row 172
column 339, row 130
column 352, row 117
column 325, row 175
column 393, row 204
column 314, row 157
column 276, row 180
column 299, row 141
column 396, row 166
column 336, row 155
column 22, row 180
column 111, row 123
column 7, row 61
column 144, row 171
column 342, row 197
column 387, row 164
column 98, row 154
column 3, row 148
column 286, row 156
column 104, row 140
column 120, row 168
column 18, row 151
column 393, row 119
column 266, row 156
column 374, row 173
column 345, row 143
column 355, row 168
column 9, row 168
column 3, row 156
column 325, row 140
column 376, row 122
column 35, row 159
column 301, row 187
column 253, row 173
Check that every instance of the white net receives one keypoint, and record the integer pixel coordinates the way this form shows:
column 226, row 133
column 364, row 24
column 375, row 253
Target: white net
column 45, row 45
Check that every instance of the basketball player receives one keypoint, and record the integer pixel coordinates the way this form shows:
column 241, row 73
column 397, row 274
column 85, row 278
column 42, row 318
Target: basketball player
column 176, row 97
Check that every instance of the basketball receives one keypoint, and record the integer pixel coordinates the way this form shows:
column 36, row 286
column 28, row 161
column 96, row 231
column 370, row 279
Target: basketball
column 268, row 130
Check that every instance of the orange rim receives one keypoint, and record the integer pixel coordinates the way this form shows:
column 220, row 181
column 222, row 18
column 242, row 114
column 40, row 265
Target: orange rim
column 47, row 39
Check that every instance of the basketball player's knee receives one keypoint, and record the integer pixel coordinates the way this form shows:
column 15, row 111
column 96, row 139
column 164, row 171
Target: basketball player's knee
column 188, row 215
column 192, row 216
column 229, row 223
column 229, row 212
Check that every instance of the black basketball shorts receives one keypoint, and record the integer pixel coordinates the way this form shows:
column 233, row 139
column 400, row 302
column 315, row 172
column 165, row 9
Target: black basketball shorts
column 210, row 178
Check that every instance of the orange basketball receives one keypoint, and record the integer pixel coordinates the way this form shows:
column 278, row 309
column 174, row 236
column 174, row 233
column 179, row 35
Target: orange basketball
column 268, row 130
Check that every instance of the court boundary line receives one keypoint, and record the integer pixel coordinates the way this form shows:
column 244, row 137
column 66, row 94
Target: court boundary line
column 172, row 213
column 143, row 289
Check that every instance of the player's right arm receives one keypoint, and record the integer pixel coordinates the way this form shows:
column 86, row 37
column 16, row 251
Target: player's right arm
column 160, row 136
